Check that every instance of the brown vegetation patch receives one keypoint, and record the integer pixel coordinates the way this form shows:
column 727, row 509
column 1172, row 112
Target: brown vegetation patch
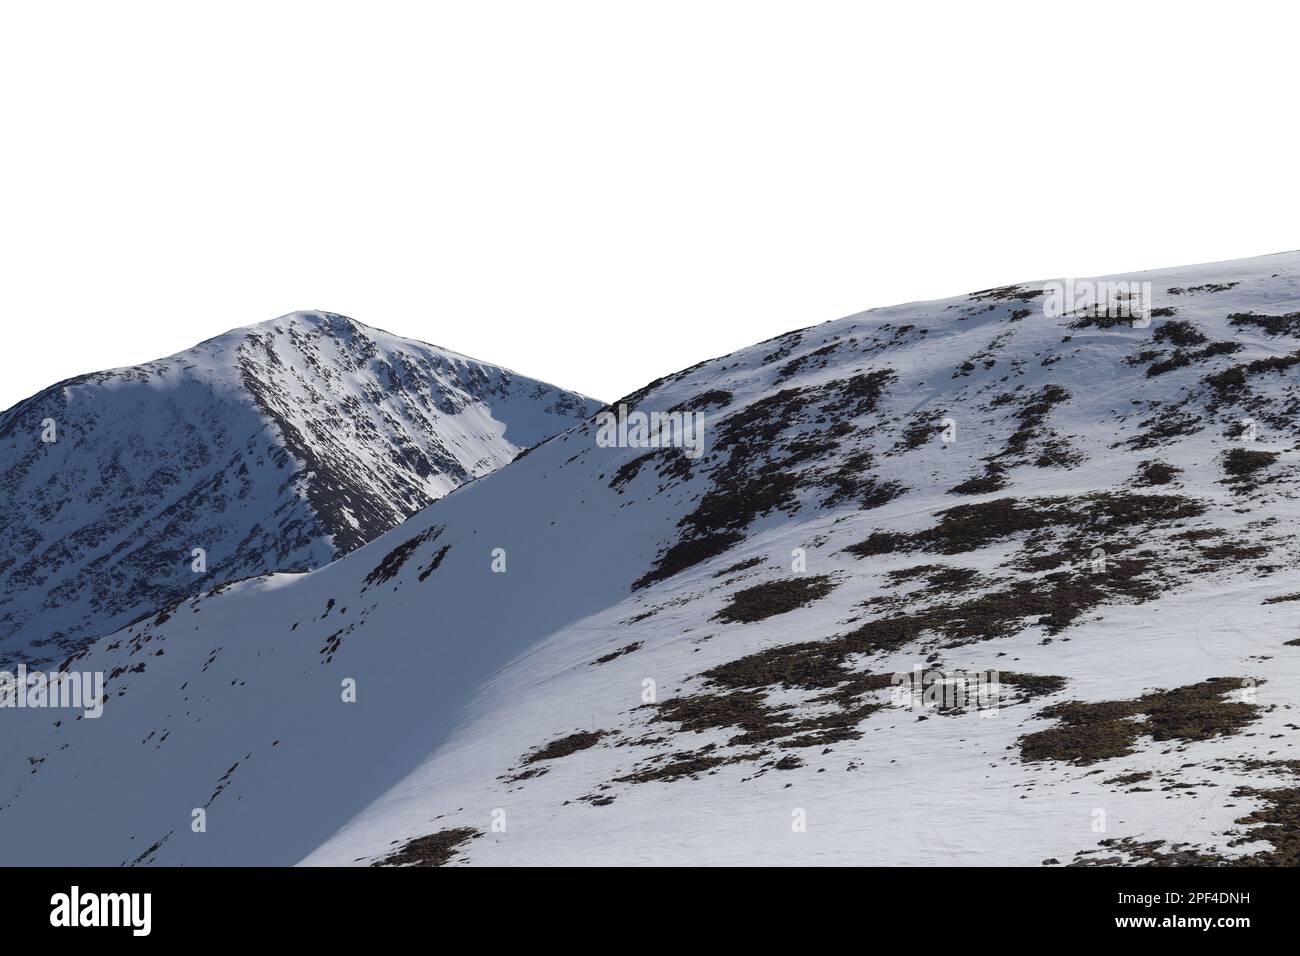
column 1288, row 324
column 434, row 563
column 750, row 478
column 1007, row 293
column 1089, row 732
column 740, row 566
column 628, row 471
column 613, row 655
column 971, row 527
column 669, row 767
column 1283, row 598
column 1163, row 427
column 775, row 597
column 938, row 577
column 1234, row 551
column 992, row 479
column 388, row 568
column 436, row 849
column 1156, row 473
column 1231, row 381
column 1206, row 287
column 1180, row 333
column 1031, row 427
column 1182, row 358
column 1277, row 823
column 1053, row 601
column 564, row 746
column 1241, row 464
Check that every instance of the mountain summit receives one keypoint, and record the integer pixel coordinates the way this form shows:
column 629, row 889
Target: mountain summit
column 277, row 447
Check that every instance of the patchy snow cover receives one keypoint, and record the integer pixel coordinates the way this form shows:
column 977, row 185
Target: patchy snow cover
column 690, row 661
column 275, row 447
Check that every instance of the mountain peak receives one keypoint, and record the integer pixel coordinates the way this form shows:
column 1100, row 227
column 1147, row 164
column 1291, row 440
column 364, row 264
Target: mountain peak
column 277, row 446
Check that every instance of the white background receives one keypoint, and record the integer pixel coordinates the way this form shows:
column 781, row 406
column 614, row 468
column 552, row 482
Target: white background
column 600, row 193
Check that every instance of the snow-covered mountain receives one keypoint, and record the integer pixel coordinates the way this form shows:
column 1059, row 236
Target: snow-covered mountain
column 631, row 655
column 276, row 447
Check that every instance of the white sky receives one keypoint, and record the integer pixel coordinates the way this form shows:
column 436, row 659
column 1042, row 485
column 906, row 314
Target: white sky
column 599, row 193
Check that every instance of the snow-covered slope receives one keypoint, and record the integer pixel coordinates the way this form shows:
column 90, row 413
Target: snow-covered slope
column 275, row 447
column 621, row 655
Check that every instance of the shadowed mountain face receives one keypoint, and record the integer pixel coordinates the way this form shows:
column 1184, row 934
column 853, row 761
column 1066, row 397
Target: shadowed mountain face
column 277, row 447
column 1016, row 585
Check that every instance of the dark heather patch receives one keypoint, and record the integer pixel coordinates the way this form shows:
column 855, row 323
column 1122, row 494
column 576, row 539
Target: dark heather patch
column 816, row 359
column 921, row 430
column 1053, row 601
column 852, row 480
column 435, row 562
column 745, row 710
column 1156, row 473
column 758, row 725
column 775, row 597
column 629, row 471
column 1031, row 429
column 1231, row 382
column 938, row 577
column 1227, row 382
column 1163, row 427
column 911, row 574
column 1148, row 853
column 740, row 566
column 1128, row 779
column 992, row 479
column 1181, row 333
column 388, row 568
column 686, row 553
column 1276, row 823
column 1141, row 358
column 1283, row 598
column 857, row 395
column 531, row 774
column 1090, row 732
column 1288, row 324
column 749, row 477
column 1007, row 293
column 436, row 849
column 874, row 494
column 564, row 746
column 1241, row 464
column 714, row 397
column 1207, row 287
column 970, row 527
column 1098, row 318
column 1233, row 551
column 1182, row 358
column 613, row 655
column 677, row 766
column 786, row 344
